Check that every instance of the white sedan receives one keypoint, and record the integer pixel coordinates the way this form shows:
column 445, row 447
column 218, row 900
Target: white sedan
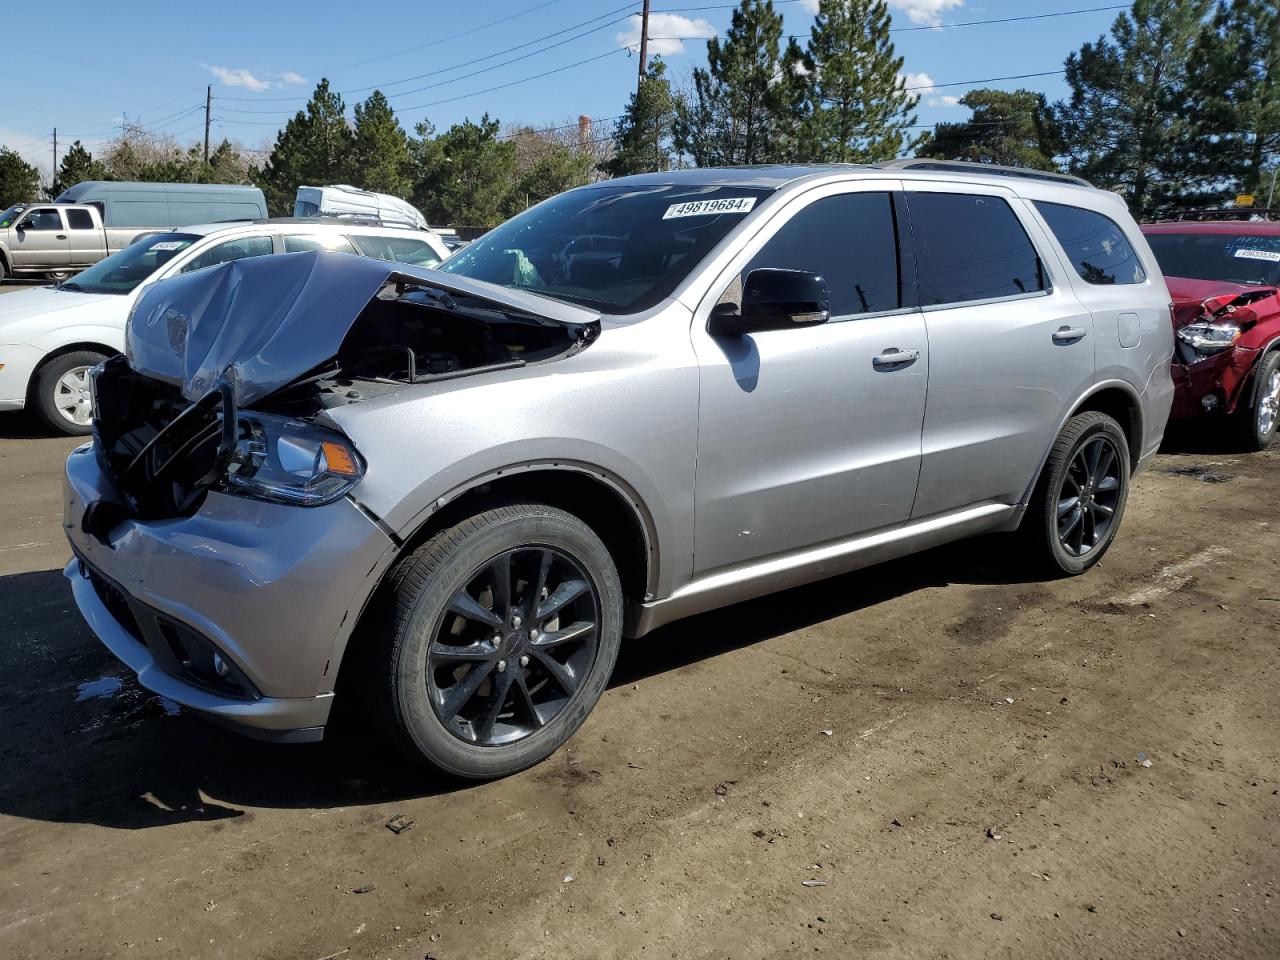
column 51, row 337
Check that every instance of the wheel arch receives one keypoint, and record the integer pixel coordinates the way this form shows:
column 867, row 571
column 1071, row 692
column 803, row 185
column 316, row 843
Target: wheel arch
column 62, row 350
column 603, row 501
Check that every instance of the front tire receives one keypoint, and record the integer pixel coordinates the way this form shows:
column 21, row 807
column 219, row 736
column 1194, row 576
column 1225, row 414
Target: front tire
column 496, row 638
column 1080, row 498
column 1257, row 421
column 61, row 392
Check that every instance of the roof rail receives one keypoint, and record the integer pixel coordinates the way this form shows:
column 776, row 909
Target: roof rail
column 994, row 169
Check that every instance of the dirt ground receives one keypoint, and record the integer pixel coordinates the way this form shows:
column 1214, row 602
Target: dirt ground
column 957, row 756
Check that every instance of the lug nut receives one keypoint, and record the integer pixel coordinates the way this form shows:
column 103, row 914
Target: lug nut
column 515, row 620
column 533, row 634
column 502, row 665
column 524, row 661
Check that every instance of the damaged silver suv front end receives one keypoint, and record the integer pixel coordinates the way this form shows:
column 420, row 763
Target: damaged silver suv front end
column 217, row 476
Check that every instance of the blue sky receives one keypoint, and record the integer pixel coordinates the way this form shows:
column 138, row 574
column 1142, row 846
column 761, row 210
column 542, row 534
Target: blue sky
column 151, row 61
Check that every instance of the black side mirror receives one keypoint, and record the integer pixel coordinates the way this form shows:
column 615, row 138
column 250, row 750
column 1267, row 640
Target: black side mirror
column 774, row 299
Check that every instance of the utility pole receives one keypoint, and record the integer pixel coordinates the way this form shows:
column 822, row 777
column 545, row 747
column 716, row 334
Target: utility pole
column 55, row 153
column 208, row 104
column 644, row 42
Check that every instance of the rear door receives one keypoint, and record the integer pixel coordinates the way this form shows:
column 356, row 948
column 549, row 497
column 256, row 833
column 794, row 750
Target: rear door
column 42, row 240
column 87, row 240
column 1010, row 345
column 812, row 435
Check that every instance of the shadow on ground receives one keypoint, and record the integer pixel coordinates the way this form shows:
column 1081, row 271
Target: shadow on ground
column 117, row 757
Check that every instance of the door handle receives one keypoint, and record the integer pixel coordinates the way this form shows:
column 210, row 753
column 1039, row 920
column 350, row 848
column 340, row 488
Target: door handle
column 60, row 236
column 893, row 357
column 1069, row 334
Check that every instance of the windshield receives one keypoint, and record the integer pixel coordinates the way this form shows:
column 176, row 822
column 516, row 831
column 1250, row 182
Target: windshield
column 12, row 214
column 1207, row 256
column 125, row 269
column 616, row 249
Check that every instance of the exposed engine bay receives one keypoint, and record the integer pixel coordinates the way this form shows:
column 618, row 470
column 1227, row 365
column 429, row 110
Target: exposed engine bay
column 205, row 398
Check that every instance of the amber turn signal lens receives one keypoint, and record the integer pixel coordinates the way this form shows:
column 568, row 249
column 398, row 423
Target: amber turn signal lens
column 339, row 459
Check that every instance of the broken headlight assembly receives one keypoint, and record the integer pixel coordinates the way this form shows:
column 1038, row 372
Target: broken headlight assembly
column 1210, row 336
column 292, row 461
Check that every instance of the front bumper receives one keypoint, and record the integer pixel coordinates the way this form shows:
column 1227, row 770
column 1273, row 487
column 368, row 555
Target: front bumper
column 19, row 364
column 275, row 590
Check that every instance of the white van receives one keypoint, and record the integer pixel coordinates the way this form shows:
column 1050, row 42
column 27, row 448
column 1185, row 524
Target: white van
column 345, row 201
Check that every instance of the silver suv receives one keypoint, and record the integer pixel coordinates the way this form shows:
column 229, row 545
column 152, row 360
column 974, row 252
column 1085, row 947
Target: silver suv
column 452, row 492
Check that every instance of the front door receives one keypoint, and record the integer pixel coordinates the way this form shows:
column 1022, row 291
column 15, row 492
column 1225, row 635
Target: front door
column 42, row 240
column 1010, row 346
column 812, row 435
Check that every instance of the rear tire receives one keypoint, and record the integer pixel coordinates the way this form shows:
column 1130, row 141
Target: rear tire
column 1256, row 422
column 60, row 393
column 481, row 684
column 1079, row 500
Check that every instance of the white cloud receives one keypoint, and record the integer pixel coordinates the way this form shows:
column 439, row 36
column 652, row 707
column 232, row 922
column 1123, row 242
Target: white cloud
column 928, row 12
column 922, row 86
column 239, row 77
column 667, row 31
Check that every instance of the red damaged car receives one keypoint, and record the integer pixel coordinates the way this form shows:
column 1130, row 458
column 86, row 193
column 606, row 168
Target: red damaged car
column 1224, row 277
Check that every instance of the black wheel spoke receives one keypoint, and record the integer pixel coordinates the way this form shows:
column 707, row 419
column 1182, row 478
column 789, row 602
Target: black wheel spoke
column 582, row 630
column 526, row 701
column 1105, row 461
column 539, row 583
column 558, row 672
column 465, row 605
column 1067, row 505
column 501, row 570
column 1107, row 485
column 456, row 653
column 459, row 695
column 497, row 700
column 564, row 594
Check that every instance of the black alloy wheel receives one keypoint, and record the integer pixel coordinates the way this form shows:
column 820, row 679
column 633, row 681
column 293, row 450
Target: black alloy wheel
column 513, row 645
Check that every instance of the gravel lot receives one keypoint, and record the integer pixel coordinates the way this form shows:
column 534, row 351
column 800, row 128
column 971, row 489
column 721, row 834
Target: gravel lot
column 952, row 751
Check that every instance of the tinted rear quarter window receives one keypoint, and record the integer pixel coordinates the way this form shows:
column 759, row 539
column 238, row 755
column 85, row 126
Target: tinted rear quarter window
column 79, row 220
column 1095, row 244
column 971, row 247
column 848, row 240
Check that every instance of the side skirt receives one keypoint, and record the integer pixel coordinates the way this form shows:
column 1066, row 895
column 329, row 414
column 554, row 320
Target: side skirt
column 734, row 585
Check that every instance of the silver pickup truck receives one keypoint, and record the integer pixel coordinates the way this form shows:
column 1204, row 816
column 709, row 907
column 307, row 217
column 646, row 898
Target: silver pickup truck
column 95, row 218
column 57, row 239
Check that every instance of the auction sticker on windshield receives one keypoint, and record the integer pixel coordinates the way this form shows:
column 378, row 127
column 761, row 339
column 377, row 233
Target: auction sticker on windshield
column 1248, row 254
column 704, row 208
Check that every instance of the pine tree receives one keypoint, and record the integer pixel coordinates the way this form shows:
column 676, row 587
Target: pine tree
column 736, row 110
column 1013, row 129
column 314, row 148
column 855, row 107
column 380, row 158
column 1126, row 125
column 1236, row 95
column 466, row 175
column 643, row 137
column 77, row 166
column 19, row 180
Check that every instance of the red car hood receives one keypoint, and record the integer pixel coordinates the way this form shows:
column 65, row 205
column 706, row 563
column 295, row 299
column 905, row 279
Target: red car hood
column 1189, row 296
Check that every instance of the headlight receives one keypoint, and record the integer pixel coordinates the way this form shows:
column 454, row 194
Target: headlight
column 1205, row 336
column 292, row 461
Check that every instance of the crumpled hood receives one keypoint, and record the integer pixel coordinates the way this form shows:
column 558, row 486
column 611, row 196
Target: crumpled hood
column 258, row 324
column 1192, row 297
column 45, row 301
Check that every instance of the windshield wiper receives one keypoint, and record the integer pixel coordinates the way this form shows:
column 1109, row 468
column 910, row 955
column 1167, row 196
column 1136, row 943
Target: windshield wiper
column 69, row 285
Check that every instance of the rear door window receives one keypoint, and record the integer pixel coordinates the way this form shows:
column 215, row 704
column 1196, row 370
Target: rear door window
column 297, row 243
column 239, row 249
column 1095, row 245
column 971, row 247
column 401, row 249
column 79, row 219
column 850, row 241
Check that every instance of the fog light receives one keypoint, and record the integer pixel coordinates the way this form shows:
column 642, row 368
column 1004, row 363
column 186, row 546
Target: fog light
column 220, row 666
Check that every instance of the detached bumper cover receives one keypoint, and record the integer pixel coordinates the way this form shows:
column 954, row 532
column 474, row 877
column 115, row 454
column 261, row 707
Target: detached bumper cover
column 274, row 589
